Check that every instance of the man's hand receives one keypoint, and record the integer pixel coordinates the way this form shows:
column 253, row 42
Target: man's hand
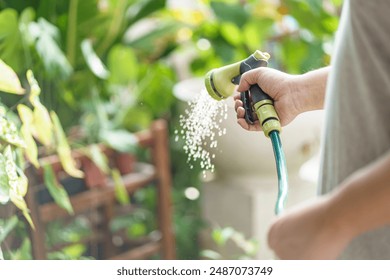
column 292, row 94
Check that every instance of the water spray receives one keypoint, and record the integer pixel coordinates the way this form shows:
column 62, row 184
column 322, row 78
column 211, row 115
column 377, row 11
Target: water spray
column 220, row 84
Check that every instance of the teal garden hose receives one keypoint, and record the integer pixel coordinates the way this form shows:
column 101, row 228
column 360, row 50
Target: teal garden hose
column 281, row 169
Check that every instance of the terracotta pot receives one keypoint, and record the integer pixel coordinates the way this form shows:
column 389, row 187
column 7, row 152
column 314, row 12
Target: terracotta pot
column 94, row 177
column 124, row 162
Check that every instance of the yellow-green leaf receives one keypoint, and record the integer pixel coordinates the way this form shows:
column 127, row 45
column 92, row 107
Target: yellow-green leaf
column 10, row 168
column 35, row 90
column 31, row 150
column 9, row 133
column 27, row 216
column 9, row 81
column 56, row 190
column 22, row 184
column 18, row 200
column 120, row 189
column 4, row 184
column 43, row 126
column 63, row 149
column 25, row 114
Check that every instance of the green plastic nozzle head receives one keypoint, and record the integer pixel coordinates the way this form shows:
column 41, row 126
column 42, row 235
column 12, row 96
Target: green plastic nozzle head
column 219, row 83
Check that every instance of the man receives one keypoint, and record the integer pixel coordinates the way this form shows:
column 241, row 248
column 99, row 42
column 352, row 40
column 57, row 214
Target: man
column 351, row 220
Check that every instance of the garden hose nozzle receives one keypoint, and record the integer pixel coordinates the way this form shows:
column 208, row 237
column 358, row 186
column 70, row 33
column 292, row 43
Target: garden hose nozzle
column 220, row 84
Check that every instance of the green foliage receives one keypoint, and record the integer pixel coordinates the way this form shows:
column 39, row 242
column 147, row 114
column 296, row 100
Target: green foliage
column 99, row 71
column 56, row 190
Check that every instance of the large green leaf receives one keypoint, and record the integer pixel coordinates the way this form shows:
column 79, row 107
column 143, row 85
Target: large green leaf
column 122, row 63
column 8, row 226
column 154, row 42
column 9, row 81
column 48, row 49
column 230, row 12
column 143, row 8
column 11, row 45
column 56, row 190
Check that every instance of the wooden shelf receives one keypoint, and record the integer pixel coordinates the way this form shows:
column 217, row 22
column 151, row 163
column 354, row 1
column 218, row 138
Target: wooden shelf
column 100, row 201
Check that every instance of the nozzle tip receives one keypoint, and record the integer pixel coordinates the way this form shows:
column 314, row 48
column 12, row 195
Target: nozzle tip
column 208, row 81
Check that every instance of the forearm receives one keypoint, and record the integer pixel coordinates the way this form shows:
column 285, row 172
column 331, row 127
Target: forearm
column 311, row 88
column 362, row 202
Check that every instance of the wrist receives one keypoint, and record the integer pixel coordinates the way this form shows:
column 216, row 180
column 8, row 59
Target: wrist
column 310, row 90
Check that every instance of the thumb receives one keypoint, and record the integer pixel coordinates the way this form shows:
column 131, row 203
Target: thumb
column 249, row 78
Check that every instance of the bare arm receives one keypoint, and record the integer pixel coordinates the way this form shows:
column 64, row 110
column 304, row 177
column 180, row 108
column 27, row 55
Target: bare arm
column 363, row 201
column 323, row 228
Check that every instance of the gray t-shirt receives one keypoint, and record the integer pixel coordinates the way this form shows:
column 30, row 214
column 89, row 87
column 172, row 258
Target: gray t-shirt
column 357, row 130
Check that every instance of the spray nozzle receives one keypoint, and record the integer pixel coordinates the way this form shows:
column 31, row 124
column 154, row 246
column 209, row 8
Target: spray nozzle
column 220, row 84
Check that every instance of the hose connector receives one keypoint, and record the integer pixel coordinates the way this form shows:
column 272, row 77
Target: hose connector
column 267, row 116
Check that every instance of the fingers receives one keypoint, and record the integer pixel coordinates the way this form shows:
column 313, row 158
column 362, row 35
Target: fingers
column 238, row 105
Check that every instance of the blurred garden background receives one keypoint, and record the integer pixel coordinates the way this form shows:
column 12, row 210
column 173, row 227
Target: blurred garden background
column 106, row 70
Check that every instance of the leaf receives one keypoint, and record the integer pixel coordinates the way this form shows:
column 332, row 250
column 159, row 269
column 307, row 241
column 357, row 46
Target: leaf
column 31, row 151
column 35, row 90
column 99, row 158
column 24, row 251
column 25, row 114
column 20, row 203
column 18, row 185
column 122, row 63
column 54, row 60
column 11, row 44
column 93, row 61
column 4, row 185
column 9, row 133
column 63, row 149
column 120, row 140
column 9, row 81
column 212, row 255
column 56, row 190
column 22, row 185
column 230, row 12
column 120, row 189
column 143, row 8
column 43, row 126
column 221, row 236
column 9, row 225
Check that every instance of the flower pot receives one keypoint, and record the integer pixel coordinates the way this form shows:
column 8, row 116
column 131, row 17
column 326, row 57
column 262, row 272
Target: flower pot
column 94, row 177
column 124, row 162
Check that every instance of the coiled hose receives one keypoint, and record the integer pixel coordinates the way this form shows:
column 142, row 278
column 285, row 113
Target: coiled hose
column 281, row 169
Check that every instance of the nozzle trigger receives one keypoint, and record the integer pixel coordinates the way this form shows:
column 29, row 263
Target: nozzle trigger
column 245, row 98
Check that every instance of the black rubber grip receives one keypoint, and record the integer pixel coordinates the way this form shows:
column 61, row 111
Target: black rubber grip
column 258, row 94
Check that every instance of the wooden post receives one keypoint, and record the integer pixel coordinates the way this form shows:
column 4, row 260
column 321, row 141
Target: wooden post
column 160, row 153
